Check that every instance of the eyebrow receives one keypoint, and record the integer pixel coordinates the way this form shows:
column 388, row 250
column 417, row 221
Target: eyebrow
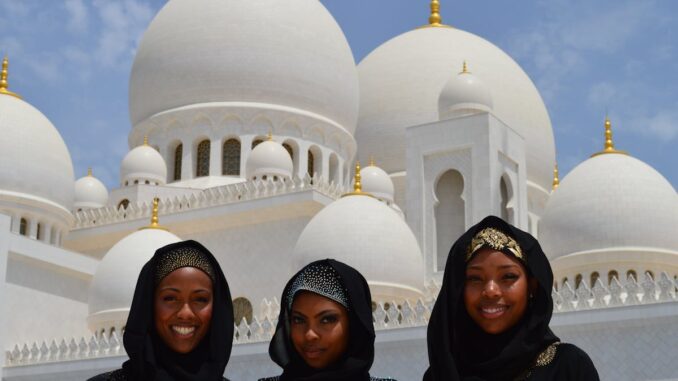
column 177, row 290
column 316, row 315
column 502, row 267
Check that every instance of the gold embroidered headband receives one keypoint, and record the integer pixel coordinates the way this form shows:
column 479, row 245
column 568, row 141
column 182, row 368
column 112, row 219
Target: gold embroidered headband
column 495, row 239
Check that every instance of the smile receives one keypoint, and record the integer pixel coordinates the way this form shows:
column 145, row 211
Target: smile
column 313, row 353
column 183, row 330
column 493, row 312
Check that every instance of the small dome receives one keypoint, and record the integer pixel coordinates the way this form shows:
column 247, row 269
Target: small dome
column 269, row 159
column 377, row 182
column 370, row 236
column 113, row 283
column 464, row 94
column 270, row 53
column 143, row 164
column 36, row 164
column 610, row 201
column 90, row 193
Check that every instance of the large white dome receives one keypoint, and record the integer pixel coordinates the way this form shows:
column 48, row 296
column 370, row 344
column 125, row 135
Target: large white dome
column 267, row 52
column 610, row 201
column 269, row 158
column 368, row 235
column 90, row 192
column 116, row 276
column 401, row 80
column 143, row 163
column 35, row 163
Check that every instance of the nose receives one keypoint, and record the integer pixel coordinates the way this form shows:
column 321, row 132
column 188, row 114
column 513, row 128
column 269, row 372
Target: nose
column 311, row 334
column 492, row 289
column 185, row 312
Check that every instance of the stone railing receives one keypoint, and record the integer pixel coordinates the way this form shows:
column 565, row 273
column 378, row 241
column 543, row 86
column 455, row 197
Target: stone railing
column 222, row 195
column 386, row 316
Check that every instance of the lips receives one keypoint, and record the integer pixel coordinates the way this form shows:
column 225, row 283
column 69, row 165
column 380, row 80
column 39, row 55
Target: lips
column 493, row 311
column 313, row 352
column 183, row 330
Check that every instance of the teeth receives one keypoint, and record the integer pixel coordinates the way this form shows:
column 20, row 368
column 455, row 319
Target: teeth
column 492, row 310
column 182, row 330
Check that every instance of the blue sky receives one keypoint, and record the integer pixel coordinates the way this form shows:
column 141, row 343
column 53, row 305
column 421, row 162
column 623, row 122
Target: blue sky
column 71, row 59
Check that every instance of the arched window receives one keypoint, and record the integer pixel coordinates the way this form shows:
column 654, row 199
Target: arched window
column 242, row 308
column 23, row 227
column 631, row 273
column 505, row 194
column 649, row 273
column 38, row 232
column 611, row 275
column 289, row 150
column 577, row 281
column 178, row 155
column 449, row 214
column 594, row 278
column 564, row 281
column 311, row 164
column 230, row 164
column 203, row 164
column 256, row 142
column 124, row 203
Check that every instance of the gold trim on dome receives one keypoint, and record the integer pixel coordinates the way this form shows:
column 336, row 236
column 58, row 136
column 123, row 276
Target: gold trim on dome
column 357, row 185
column 609, row 144
column 154, row 217
column 495, row 239
column 434, row 19
column 3, row 80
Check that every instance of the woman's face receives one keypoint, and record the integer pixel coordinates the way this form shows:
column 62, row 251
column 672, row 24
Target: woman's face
column 183, row 308
column 495, row 290
column 319, row 329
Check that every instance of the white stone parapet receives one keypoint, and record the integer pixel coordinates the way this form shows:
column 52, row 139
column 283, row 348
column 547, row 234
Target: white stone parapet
column 222, row 195
column 386, row 317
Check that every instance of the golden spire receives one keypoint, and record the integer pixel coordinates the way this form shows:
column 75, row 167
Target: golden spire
column 357, row 186
column 154, row 216
column 464, row 68
column 145, row 140
column 89, row 171
column 270, row 135
column 609, row 144
column 371, row 161
column 556, row 180
column 434, row 19
column 3, row 80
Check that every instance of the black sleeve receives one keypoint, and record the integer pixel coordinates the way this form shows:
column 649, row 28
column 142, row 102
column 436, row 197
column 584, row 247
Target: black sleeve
column 577, row 364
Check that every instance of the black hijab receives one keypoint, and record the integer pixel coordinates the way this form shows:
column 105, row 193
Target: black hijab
column 460, row 350
column 149, row 357
column 357, row 361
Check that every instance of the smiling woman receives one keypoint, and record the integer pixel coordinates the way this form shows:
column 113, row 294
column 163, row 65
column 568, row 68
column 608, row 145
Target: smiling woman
column 169, row 334
column 325, row 329
column 491, row 318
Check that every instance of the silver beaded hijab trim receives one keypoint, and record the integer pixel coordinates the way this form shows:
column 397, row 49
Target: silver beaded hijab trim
column 320, row 279
column 183, row 257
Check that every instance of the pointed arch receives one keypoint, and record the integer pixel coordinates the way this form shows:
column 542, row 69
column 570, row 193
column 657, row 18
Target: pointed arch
column 230, row 162
column 506, row 196
column 23, row 226
column 203, row 163
column 450, row 213
column 178, row 161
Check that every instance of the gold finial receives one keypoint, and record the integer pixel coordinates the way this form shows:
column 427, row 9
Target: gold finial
column 556, row 180
column 357, row 186
column 3, row 80
column 89, row 171
column 145, row 140
column 270, row 135
column 609, row 144
column 371, row 161
column 434, row 19
column 464, row 69
column 154, row 216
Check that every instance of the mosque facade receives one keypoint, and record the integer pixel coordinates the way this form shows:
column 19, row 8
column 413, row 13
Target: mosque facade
column 250, row 120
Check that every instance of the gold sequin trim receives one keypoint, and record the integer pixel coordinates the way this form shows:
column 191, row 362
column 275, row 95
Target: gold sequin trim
column 547, row 355
column 495, row 239
column 183, row 257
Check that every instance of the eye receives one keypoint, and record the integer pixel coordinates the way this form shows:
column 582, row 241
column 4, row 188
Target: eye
column 169, row 298
column 297, row 320
column 202, row 299
column 473, row 278
column 511, row 276
column 329, row 319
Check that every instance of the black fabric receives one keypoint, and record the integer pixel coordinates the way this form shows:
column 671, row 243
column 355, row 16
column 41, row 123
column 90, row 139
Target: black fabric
column 356, row 363
column 570, row 363
column 149, row 357
column 459, row 349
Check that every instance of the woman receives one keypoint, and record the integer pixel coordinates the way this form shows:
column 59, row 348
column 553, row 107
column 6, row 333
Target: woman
column 180, row 325
column 491, row 318
column 325, row 329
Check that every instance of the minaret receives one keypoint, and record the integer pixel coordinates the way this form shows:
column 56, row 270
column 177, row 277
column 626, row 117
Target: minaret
column 609, row 144
column 3, row 80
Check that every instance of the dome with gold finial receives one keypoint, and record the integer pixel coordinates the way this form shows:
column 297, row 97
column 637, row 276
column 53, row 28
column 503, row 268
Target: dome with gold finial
column 400, row 86
column 90, row 192
column 143, row 165
column 116, row 275
column 372, row 237
column 610, row 202
column 464, row 94
column 36, row 171
column 377, row 182
column 269, row 160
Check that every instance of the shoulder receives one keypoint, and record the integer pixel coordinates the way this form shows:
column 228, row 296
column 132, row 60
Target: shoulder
column 116, row 375
column 572, row 353
column 276, row 378
column 382, row 379
column 566, row 360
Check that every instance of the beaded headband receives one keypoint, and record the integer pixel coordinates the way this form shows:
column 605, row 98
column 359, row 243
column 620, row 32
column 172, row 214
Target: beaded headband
column 495, row 239
column 183, row 257
column 320, row 279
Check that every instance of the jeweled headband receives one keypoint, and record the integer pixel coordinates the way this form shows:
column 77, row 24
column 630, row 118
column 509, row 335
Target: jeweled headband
column 320, row 279
column 183, row 257
column 495, row 239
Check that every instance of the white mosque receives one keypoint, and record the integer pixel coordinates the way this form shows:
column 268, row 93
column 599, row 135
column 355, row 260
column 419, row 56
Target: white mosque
column 248, row 120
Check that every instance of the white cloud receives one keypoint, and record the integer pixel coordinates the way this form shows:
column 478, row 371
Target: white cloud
column 79, row 17
column 662, row 124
